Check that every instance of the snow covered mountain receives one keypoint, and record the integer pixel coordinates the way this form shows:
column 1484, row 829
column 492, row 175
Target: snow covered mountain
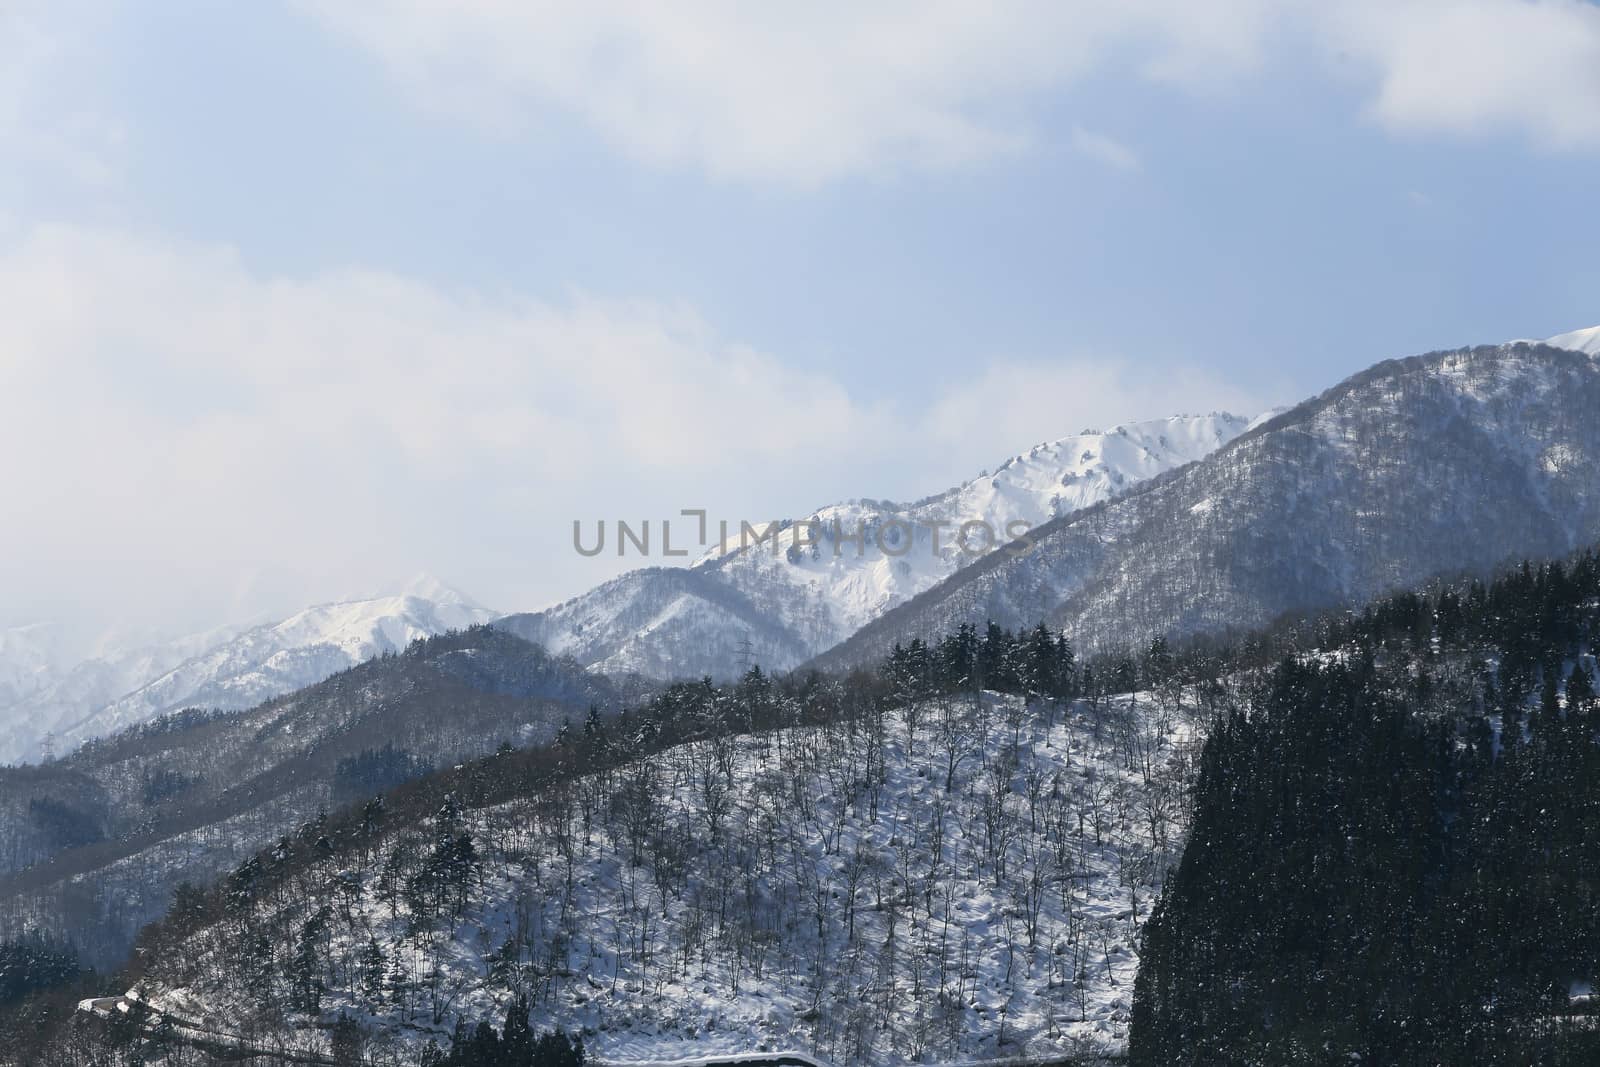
column 230, row 667
column 1454, row 461
column 31, row 657
column 76, row 684
column 779, row 603
column 1586, row 341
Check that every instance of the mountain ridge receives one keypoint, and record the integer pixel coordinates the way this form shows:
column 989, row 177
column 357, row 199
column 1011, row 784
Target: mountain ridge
column 1163, row 561
column 728, row 609
column 752, row 604
column 94, row 841
column 230, row 667
column 1586, row 341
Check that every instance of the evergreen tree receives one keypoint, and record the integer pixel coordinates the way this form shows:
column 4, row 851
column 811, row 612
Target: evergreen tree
column 516, row 1040
column 305, row 968
column 374, row 968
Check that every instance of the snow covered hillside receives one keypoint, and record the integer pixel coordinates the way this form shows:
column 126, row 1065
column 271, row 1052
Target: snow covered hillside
column 74, row 683
column 1437, row 464
column 31, row 657
column 779, row 605
column 1586, row 341
column 946, row 883
column 1048, row 480
column 230, row 667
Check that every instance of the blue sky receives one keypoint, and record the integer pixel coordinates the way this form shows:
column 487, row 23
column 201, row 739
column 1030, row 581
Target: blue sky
column 303, row 298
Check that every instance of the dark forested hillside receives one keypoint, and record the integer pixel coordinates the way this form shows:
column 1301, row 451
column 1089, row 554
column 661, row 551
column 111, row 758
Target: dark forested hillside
column 94, row 844
column 1395, row 854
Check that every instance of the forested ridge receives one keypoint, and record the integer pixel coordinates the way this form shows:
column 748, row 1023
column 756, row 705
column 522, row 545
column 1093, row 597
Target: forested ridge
column 1395, row 852
column 93, row 844
column 952, row 852
column 1391, row 818
column 1454, row 461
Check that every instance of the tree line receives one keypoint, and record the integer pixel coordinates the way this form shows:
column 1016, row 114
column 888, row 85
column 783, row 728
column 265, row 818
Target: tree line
column 1394, row 845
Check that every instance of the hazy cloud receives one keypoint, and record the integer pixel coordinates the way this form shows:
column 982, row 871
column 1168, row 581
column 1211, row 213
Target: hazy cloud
column 1527, row 67
column 815, row 92
column 174, row 419
column 48, row 123
column 801, row 93
column 166, row 410
column 1098, row 146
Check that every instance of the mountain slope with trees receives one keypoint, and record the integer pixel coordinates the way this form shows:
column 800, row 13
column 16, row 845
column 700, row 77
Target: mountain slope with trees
column 1386, row 821
column 55, row 694
column 1452, row 462
column 93, row 845
column 949, row 856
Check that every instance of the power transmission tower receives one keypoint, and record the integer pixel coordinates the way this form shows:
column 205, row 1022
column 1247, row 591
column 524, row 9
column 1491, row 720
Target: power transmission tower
column 746, row 653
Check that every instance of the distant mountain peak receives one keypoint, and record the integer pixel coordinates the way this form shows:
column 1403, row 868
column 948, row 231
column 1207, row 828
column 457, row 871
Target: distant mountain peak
column 748, row 603
column 82, row 695
column 423, row 585
column 1445, row 463
column 1586, row 341
column 430, row 587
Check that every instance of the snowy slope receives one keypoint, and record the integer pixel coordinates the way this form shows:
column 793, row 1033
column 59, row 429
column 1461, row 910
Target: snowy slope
column 821, row 889
column 1444, row 463
column 1586, row 341
column 1050, row 479
column 280, row 657
column 78, row 684
column 31, row 659
column 789, row 603
column 230, row 667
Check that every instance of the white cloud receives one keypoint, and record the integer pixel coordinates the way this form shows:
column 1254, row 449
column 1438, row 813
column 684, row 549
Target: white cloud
column 168, row 414
column 798, row 93
column 48, row 123
column 172, row 419
column 807, row 93
column 1477, row 66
